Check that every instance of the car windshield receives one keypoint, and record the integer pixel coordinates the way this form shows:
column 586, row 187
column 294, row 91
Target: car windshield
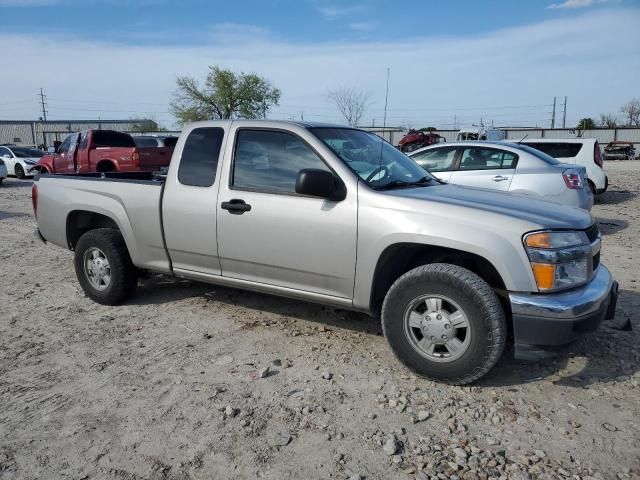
column 378, row 163
column 534, row 151
column 27, row 152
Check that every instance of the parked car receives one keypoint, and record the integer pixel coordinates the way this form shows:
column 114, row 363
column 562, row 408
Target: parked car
column 619, row 151
column 480, row 133
column 509, row 167
column 579, row 151
column 20, row 161
column 3, row 171
column 103, row 151
column 415, row 139
column 147, row 141
column 338, row 216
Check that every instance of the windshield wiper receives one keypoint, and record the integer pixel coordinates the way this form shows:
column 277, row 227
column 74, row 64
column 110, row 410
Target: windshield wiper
column 402, row 184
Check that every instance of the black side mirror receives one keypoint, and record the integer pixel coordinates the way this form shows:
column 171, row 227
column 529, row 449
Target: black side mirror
column 320, row 183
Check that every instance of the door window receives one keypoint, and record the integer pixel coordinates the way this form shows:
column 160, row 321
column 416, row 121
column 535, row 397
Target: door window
column 479, row 158
column 5, row 151
column 199, row 161
column 436, row 159
column 65, row 145
column 269, row 161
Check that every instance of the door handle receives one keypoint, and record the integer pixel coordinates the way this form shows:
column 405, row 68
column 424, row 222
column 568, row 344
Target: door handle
column 499, row 178
column 236, row 206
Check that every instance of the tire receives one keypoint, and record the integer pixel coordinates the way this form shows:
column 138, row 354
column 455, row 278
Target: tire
column 121, row 273
column 459, row 290
column 19, row 171
column 593, row 188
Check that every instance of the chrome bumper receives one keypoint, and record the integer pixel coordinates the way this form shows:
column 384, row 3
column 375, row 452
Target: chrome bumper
column 557, row 318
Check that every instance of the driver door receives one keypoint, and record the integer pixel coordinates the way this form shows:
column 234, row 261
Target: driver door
column 280, row 237
column 63, row 161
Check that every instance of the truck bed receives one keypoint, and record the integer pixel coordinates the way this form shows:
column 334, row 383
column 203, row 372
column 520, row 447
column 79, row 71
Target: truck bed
column 128, row 199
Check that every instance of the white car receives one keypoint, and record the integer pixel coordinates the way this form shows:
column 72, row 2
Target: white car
column 3, row 171
column 509, row 167
column 580, row 151
column 20, row 161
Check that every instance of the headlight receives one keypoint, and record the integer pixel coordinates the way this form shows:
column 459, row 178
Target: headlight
column 559, row 260
column 30, row 162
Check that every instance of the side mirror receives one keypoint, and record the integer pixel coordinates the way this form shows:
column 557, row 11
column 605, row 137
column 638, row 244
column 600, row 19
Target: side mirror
column 6, row 155
column 320, row 183
column 51, row 150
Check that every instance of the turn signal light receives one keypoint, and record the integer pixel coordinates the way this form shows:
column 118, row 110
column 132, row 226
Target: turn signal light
column 544, row 274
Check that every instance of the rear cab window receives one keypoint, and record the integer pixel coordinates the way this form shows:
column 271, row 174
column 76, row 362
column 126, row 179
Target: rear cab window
column 200, row 155
column 107, row 138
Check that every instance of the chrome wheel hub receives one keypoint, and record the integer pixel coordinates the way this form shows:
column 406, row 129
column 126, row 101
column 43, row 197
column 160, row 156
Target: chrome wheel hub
column 96, row 268
column 437, row 328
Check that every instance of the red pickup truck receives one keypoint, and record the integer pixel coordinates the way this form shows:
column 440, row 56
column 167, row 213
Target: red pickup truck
column 103, row 151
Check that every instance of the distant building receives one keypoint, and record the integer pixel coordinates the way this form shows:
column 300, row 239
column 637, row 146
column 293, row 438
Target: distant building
column 36, row 132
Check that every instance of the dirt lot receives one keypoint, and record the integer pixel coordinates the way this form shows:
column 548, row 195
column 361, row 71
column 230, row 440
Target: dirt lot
column 169, row 385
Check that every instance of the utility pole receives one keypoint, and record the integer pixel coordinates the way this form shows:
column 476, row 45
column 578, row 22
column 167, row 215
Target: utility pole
column 564, row 113
column 43, row 102
column 302, row 116
column 553, row 115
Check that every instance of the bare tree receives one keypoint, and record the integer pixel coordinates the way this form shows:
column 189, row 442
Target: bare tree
column 351, row 103
column 631, row 110
column 608, row 120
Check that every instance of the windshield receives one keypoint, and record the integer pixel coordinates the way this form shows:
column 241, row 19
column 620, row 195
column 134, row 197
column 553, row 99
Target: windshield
column 27, row 152
column 375, row 161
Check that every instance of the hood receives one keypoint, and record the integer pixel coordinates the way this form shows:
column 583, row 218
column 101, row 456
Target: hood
column 524, row 207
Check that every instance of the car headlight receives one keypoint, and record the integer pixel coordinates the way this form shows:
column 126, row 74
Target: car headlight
column 559, row 260
column 30, row 162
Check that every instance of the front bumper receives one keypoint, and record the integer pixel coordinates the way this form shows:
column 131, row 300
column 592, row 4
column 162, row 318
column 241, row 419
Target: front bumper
column 553, row 319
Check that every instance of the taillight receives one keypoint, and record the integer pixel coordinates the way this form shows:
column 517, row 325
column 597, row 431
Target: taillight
column 572, row 178
column 596, row 155
column 135, row 157
column 34, row 199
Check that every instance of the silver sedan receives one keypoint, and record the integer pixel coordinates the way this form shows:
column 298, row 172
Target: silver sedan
column 509, row 167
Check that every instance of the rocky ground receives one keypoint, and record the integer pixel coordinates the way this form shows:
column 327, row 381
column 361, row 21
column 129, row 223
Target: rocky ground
column 191, row 381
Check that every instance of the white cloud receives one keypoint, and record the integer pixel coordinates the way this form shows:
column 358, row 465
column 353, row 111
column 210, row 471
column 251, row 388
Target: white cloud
column 579, row 3
column 580, row 56
column 334, row 11
column 362, row 26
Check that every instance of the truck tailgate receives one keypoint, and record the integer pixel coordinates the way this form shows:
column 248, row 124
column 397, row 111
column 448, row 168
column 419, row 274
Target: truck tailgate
column 155, row 157
column 134, row 205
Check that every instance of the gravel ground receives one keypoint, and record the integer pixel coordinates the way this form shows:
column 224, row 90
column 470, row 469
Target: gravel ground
column 197, row 381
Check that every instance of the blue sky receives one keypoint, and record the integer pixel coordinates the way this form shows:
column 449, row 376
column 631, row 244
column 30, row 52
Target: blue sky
column 500, row 61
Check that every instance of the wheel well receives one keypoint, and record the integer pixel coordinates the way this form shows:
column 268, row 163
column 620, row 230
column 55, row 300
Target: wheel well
column 106, row 166
column 81, row 221
column 398, row 259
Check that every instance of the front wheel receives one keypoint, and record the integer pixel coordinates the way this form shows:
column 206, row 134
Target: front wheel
column 19, row 171
column 444, row 322
column 103, row 266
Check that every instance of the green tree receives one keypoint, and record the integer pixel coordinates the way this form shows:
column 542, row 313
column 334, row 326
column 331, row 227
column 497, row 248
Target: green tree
column 146, row 125
column 586, row 124
column 428, row 129
column 225, row 94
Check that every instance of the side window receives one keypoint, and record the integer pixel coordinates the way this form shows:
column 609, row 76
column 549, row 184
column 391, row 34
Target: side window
column 478, row 158
column 199, row 160
column 437, row 159
column 65, row 145
column 84, row 138
column 5, row 151
column 270, row 161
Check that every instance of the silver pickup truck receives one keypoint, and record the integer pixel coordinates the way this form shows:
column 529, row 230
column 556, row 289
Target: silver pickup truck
column 337, row 216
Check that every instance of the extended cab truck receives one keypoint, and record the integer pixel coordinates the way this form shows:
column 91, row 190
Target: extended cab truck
column 103, row 151
column 337, row 216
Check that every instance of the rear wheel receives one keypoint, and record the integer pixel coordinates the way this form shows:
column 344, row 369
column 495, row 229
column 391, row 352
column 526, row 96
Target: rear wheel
column 592, row 187
column 19, row 171
column 444, row 322
column 103, row 266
